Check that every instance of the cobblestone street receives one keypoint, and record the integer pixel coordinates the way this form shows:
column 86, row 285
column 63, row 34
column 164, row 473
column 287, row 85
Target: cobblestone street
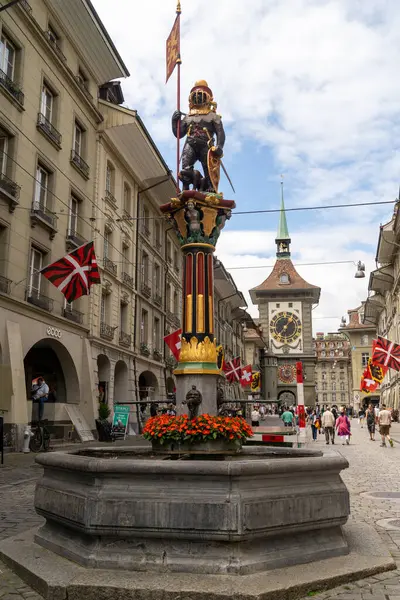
column 372, row 470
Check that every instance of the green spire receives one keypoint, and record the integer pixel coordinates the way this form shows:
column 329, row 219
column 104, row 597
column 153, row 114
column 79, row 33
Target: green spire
column 283, row 238
column 283, row 232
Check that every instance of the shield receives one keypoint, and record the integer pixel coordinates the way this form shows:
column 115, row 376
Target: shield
column 214, row 168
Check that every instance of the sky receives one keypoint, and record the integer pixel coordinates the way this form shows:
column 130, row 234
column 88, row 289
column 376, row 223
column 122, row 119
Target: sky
column 306, row 88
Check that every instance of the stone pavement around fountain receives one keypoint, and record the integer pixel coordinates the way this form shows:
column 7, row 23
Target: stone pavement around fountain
column 372, row 469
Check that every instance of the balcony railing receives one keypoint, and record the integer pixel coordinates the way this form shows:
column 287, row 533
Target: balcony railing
column 78, row 162
column 74, row 239
column 110, row 198
column 12, row 87
column 146, row 290
column 42, row 215
column 157, row 299
column 127, row 279
column 45, row 126
column 173, row 318
column 38, row 299
column 54, row 44
column 73, row 315
column 124, row 339
column 5, row 285
column 106, row 331
column 9, row 191
column 110, row 266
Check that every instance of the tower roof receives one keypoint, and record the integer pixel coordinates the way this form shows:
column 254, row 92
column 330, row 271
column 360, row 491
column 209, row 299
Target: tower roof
column 283, row 231
column 284, row 279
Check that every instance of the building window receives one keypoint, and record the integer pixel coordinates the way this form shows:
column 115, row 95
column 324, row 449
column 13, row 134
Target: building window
column 364, row 340
column 46, row 104
column 343, row 398
column 125, row 258
column 341, row 375
column 323, row 375
column 144, row 324
column 157, row 235
column 35, row 265
column 342, row 386
column 127, row 199
column 169, row 252
column 334, row 386
column 156, row 334
column 145, row 267
column 333, row 375
column 284, row 278
column 157, row 278
column 104, row 308
column 325, row 398
column 110, row 178
column 73, row 215
column 278, row 305
column 82, row 79
column 106, row 245
column 333, row 397
column 123, row 318
column 364, row 358
column 168, row 296
column 324, row 386
column 78, row 139
column 176, row 303
column 331, row 353
column 41, row 188
column 8, row 54
column 323, row 353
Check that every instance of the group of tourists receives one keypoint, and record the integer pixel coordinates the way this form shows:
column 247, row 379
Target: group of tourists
column 382, row 417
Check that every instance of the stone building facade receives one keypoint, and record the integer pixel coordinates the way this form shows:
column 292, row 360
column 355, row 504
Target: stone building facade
column 49, row 118
column 333, row 376
column 382, row 308
column 285, row 302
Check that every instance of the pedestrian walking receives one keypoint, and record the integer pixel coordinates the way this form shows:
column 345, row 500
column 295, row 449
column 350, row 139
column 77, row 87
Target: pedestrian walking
column 361, row 417
column 385, row 421
column 370, row 416
column 343, row 427
column 313, row 419
column 328, row 424
column 255, row 417
column 287, row 418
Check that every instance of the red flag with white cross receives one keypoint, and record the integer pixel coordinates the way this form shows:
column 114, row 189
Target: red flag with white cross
column 245, row 378
column 232, row 369
column 174, row 342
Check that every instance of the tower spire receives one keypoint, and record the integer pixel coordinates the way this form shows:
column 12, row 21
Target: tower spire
column 283, row 238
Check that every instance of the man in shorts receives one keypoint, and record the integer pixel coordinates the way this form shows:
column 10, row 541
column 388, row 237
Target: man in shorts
column 385, row 421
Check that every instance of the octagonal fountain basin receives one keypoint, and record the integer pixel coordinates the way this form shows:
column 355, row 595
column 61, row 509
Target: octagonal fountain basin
column 128, row 509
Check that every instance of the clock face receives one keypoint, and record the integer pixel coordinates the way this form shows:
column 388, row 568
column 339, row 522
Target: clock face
column 285, row 327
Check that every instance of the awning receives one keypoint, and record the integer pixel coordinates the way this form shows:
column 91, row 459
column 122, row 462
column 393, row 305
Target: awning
column 381, row 280
column 386, row 247
column 372, row 309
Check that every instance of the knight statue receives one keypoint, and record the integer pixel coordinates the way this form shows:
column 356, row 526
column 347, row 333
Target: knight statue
column 204, row 142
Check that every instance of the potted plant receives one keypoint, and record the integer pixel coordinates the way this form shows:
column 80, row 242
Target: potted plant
column 144, row 349
column 205, row 434
column 171, row 363
column 103, row 425
column 157, row 355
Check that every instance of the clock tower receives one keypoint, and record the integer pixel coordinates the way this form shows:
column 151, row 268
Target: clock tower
column 285, row 302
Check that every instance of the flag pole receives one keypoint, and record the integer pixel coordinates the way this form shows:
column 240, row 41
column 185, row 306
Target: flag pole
column 178, row 99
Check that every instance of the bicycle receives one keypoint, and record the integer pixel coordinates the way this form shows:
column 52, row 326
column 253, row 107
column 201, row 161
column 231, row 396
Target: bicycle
column 40, row 440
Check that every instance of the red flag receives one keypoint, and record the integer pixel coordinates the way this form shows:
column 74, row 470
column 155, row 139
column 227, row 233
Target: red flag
column 75, row 273
column 173, row 341
column 232, row 369
column 368, row 384
column 245, row 378
column 386, row 353
column 378, row 372
column 173, row 47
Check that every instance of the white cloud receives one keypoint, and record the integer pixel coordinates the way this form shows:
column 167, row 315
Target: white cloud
column 315, row 81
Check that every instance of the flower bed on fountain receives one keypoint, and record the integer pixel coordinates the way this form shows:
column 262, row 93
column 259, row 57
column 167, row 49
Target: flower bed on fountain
column 203, row 434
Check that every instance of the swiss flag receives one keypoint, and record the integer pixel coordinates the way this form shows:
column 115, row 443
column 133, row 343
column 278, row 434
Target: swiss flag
column 173, row 341
column 368, row 384
column 245, row 378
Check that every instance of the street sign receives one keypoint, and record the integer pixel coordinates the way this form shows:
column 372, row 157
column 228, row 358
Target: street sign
column 120, row 420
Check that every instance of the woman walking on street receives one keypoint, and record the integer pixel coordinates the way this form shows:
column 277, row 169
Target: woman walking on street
column 313, row 420
column 370, row 414
column 343, row 427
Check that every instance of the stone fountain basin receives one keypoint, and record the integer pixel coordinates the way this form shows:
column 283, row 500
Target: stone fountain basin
column 125, row 508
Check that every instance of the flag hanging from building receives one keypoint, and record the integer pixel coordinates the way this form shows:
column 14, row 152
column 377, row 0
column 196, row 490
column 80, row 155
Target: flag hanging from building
column 378, row 372
column 245, row 378
column 232, row 369
column 255, row 382
column 75, row 273
column 173, row 47
column 174, row 342
column 368, row 384
column 386, row 353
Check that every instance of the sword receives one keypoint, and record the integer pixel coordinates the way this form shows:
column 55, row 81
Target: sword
column 222, row 164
